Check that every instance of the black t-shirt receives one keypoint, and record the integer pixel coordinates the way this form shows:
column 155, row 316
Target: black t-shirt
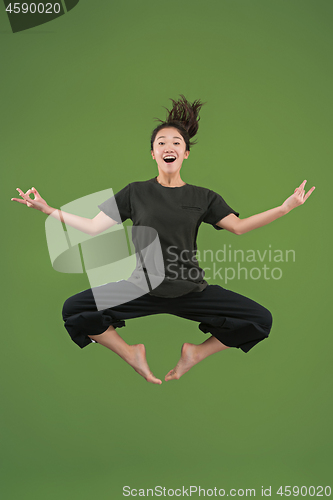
column 176, row 214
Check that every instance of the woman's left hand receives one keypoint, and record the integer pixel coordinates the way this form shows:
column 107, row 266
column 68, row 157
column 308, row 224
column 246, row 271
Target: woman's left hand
column 298, row 198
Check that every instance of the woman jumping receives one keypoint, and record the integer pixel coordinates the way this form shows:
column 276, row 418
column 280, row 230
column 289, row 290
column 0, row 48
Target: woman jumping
column 174, row 210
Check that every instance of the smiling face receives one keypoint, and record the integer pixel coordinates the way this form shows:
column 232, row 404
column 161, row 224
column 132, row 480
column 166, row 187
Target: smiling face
column 169, row 150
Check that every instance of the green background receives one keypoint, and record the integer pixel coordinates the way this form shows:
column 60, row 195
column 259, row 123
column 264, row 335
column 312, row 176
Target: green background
column 78, row 98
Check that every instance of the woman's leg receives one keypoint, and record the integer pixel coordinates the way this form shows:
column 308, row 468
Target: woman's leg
column 134, row 355
column 191, row 354
column 85, row 323
column 232, row 319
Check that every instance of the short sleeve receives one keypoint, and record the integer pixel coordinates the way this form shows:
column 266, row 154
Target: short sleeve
column 118, row 207
column 217, row 210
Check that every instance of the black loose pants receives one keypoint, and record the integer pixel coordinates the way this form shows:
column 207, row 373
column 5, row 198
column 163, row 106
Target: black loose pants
column 233, row 319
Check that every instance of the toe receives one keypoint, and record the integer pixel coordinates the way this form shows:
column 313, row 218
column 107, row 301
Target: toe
column 171, row 375
column 153, row 379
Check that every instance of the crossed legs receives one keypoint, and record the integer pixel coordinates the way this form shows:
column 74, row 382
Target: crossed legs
column 135, row 355
column 247, row 323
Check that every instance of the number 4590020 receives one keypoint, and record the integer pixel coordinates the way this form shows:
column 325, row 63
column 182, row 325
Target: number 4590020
column 33, row 8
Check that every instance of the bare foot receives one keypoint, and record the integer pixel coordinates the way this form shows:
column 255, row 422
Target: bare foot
column 188, row 358
column 137, row 359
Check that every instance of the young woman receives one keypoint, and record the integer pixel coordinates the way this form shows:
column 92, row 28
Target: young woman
column 175, row 210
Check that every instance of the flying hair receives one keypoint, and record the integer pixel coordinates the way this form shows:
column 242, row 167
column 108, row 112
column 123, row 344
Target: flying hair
column 183, row 116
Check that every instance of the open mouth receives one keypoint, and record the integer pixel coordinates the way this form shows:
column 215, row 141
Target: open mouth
column 169, row 159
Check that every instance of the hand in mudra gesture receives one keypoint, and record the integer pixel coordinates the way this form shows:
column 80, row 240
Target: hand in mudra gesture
column 298, row 198
column 37, row 202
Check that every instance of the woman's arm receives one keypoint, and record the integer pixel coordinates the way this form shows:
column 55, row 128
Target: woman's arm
column 89, row 226
column 241, row 226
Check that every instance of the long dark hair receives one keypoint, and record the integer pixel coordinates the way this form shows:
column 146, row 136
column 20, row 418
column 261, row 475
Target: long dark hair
column 183, row 116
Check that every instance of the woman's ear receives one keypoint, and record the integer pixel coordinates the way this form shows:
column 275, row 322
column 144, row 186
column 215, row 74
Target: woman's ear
column 152, row 153
column 186, row 154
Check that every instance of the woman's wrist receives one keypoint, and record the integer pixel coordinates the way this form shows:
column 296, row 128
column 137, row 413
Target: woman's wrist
column 284, row 210
column 47, row 210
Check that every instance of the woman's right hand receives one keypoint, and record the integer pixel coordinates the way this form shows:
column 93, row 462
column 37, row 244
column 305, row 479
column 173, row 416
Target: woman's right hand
column 38, row 203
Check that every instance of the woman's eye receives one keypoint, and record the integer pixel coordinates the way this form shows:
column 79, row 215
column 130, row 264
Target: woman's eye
column 162, row 143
